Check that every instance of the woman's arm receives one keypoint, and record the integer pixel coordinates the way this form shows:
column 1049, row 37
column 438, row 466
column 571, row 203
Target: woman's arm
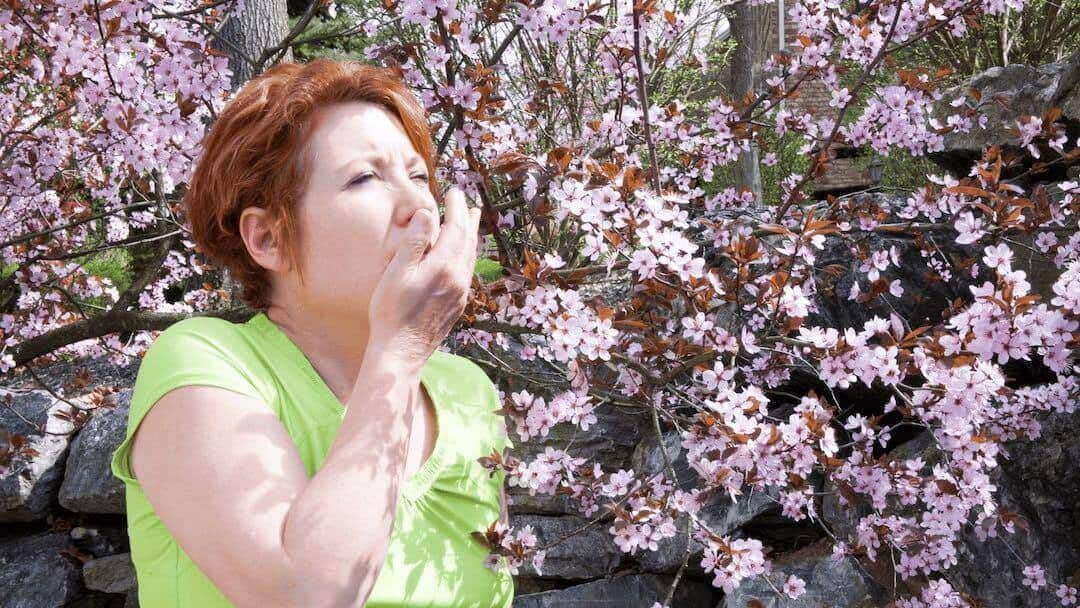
column 342, row 521
column 224, row 476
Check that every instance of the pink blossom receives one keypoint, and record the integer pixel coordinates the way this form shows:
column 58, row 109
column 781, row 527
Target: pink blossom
column 969, row 229
column 1067, row 594
column 1034, row 576
column 794, row 587
column 998, row 256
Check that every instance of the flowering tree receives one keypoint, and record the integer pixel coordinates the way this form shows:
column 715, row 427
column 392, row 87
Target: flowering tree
column 600, row 162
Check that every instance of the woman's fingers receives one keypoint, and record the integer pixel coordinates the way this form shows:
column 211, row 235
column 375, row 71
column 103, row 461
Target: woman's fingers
column 458, row 236
column 474, row 238
column 454, row 224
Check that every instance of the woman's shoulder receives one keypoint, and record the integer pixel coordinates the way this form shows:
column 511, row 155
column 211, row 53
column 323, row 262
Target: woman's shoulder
column 198, row 330
column 198, row 348
column 204, row 325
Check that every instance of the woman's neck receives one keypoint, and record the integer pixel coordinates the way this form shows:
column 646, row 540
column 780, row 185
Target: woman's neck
column 335, row 346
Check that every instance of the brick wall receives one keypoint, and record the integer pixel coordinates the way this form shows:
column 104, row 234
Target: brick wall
column 844, row 173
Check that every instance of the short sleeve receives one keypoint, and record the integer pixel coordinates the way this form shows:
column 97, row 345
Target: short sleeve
column 192, row 352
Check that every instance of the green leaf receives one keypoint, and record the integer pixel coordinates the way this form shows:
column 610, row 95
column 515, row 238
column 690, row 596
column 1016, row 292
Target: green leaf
column 488, row 269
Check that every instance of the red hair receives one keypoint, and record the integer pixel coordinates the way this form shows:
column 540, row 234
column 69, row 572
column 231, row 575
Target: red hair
column 257, row 154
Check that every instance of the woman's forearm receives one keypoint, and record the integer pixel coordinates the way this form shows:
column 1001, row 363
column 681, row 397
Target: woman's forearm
column 337, row 531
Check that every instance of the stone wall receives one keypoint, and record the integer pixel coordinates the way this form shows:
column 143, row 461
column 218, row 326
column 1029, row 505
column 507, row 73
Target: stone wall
column 63, row 536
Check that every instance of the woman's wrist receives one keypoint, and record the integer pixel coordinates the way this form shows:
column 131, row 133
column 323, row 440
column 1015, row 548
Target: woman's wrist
column 385, row 358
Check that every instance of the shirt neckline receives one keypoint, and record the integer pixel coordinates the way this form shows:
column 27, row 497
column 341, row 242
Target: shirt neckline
column 422, row 479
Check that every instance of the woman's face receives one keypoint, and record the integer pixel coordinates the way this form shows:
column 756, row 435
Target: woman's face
column 366, row 182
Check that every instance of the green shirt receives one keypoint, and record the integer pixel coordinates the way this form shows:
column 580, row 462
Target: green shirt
column 431, row 561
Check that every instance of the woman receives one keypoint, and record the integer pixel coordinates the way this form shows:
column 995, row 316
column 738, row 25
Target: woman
column 323, row 453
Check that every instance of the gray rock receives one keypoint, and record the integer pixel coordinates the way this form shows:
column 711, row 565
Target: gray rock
column 89, row 485
column 1024, row 90
column 33, row 572
column 100, row 541
column 93, row 600
column 670, row 551
column 28, row 488
column 630, row 591
column 75, row 377
column 830, row 583
column 647, row 459
column 521, row 501
column 843, row 518
column 721, row 515
column 1040, row 269
column 589, row 554
column 111, row 574
column 1039, row 482
column 131, row 600
column 611, row 442
column 724, row 516
column 924, row 297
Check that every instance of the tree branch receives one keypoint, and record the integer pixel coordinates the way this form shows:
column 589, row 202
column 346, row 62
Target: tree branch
column 111, row 323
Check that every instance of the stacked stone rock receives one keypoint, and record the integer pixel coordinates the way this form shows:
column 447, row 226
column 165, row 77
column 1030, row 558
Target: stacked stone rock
column 63, row 539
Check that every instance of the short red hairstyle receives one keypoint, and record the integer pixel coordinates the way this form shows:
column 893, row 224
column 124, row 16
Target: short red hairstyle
column 257, row 154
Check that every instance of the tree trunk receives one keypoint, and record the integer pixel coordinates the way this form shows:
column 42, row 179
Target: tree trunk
column 743, row 81
column 245, row 35
column 255, row 27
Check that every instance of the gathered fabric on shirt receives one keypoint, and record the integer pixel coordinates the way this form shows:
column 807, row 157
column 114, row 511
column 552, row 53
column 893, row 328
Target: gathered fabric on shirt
column 431, row 561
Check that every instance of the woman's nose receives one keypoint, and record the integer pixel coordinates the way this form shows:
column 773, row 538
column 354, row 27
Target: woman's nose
column 409, row 198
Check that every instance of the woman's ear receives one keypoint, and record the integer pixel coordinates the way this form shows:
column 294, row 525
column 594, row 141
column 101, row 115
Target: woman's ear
column 262, row 242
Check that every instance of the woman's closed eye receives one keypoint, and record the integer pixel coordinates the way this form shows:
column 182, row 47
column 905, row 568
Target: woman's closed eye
column 360, row 179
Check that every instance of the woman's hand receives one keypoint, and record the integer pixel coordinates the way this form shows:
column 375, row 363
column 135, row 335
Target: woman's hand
column 423, row 292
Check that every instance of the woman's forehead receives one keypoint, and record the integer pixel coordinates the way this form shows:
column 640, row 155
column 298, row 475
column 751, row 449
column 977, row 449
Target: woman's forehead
column 359, row 125
column 360, row 131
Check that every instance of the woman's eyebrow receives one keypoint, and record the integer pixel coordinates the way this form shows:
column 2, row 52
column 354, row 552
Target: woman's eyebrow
column 345, row 170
